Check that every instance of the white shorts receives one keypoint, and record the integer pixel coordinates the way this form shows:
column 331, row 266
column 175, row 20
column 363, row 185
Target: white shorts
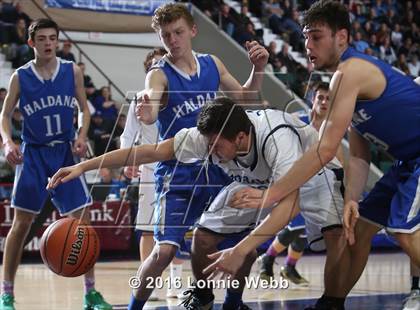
column 321, row 205
column 147, row 200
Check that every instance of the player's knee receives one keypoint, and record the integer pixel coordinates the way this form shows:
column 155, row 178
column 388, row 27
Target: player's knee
column 364, row 231
column 21, row 226
column 203, row 241
column 406, row 241
column 285, row 236
column 299, row 244
column 163, row 254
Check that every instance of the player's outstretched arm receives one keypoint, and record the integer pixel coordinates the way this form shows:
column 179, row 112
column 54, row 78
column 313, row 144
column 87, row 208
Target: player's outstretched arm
column 140, row 155
column 230, row 260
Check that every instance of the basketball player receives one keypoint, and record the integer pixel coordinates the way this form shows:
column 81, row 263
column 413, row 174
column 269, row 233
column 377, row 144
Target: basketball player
column 293, row 237
column 381, row 105
column 47, row 90
column 175, row 89
column 135, row 131
column 254, row 148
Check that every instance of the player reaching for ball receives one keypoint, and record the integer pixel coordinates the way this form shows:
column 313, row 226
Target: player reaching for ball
column 47, row 91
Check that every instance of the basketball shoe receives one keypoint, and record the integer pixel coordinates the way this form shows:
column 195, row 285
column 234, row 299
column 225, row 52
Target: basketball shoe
column 6, row 302
column 94, row 301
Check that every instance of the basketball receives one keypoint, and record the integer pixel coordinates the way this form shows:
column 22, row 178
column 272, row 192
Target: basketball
column 69, row 247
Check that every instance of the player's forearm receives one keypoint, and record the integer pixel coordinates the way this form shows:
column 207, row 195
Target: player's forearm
column 144, row 154
column 252, row 87
column 356, row 178
column 285, row 211
column 83, row 132
column 6, row 128
column 302, row 170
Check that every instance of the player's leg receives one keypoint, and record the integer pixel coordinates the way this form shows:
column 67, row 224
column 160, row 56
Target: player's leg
column 413, row 300
column 151, row 268
column 12, row 255
column 144, row 218
column 294, row 253
column 280, row 242
column 29, row 178
column 175, row 275
column 40, row 221
column 204, row 243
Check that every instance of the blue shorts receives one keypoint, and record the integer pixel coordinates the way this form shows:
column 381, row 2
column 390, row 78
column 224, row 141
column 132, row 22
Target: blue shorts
column 183, row 193
column 31, row 178
column 394, row 202
column 297, row 223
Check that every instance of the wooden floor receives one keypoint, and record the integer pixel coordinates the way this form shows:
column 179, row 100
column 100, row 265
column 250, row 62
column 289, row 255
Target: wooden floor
column 382, row 286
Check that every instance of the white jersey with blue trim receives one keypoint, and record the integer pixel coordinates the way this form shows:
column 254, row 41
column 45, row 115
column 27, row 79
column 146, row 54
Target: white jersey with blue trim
column 47, row 106
column 280, row 140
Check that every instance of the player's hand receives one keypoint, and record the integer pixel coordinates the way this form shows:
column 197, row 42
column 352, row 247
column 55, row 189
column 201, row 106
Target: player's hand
column 131, row 172
column 80, row 147
column 64, row 175
column 12, row 152
column 350, row 217
column 144, row 108
column 248, row 198
column 226, row 263
column 257, row 54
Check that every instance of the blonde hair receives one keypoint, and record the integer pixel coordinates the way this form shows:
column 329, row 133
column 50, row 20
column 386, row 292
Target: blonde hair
column 169, row 13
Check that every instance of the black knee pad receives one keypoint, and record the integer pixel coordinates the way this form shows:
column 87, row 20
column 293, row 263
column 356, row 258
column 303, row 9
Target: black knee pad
column 286, row 236
column 299, row 244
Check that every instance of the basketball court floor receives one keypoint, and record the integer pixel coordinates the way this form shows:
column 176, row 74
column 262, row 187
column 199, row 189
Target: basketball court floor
column 383, row 285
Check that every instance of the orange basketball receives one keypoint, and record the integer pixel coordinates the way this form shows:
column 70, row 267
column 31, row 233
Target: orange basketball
column 69, row 247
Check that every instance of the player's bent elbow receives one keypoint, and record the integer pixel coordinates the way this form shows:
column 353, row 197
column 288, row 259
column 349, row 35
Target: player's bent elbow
column 326, row 153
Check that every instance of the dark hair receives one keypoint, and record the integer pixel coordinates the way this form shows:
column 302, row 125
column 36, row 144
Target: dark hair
column 329, row 12
column 225, row 117
column 321, row 86
column 41, row 23
column 3, row 89
column 150, row 55
column 169, row 13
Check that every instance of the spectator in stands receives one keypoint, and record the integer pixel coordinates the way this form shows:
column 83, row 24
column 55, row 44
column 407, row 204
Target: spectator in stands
column 100, row 133
column 104, row 104
column 414, row 66
column 114, row 184
column 383, row 33
column 249, row 35
column 373, row 44
column 407, row 47
column 20, row 53
column 387, row 52
column 18, row 13
column 358, row 43
column 242, row 18
column 414, row 33
column 278, row 66
column 7, row 174
column 368, row 29
column 87, row 82
column 286, row 58
column 402, row 64
column 396, row 36
column 225, row 19
column 3, row 93
column 65, row 52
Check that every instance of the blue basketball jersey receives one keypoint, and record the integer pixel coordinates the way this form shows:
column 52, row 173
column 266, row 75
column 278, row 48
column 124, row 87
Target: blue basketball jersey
column 47, row 106
column 391, row 121
column 186, row 94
